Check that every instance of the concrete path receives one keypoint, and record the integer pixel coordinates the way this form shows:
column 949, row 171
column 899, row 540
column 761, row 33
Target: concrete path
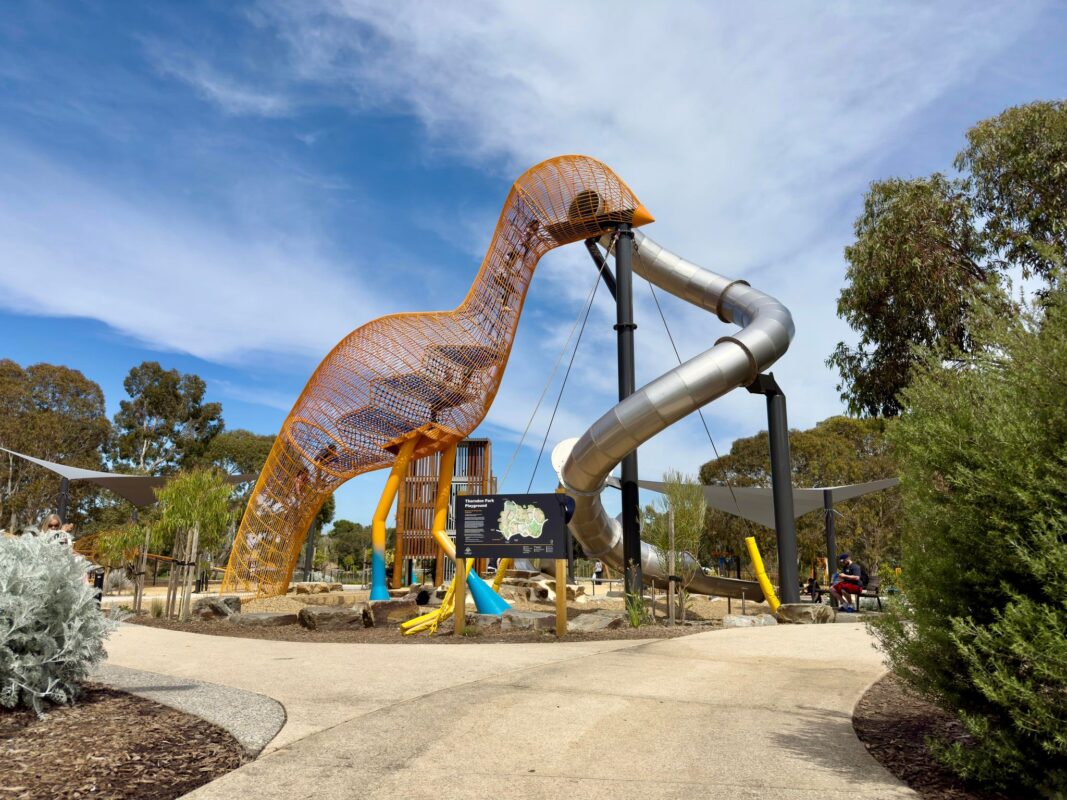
column 747, row 713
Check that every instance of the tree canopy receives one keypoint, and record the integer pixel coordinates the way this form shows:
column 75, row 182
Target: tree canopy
column 51, row 412
column 165, row 425
column 837, row 451
column 927, row 248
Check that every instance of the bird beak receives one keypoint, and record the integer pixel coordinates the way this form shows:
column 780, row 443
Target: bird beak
column 641, row 216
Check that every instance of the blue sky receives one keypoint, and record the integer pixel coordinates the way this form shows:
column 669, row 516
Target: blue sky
column 230, row 188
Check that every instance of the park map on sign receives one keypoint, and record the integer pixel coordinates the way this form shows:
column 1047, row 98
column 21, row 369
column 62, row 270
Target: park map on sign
column 519, row 520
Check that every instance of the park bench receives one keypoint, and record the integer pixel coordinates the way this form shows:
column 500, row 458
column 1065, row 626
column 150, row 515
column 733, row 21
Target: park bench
column 874, row 589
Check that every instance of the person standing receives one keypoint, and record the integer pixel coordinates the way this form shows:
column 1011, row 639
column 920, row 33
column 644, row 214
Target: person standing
column 598, row 572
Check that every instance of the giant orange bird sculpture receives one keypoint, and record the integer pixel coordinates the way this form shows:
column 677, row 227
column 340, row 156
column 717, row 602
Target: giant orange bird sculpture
column 407, row 385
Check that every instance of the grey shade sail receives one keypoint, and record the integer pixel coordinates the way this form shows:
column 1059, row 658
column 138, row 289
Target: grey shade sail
column 757, row 505
column 138, row 489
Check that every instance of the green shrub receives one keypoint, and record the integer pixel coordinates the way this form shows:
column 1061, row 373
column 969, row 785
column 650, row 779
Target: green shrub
column 980, row 621
column 155, row 608
column 51, row 631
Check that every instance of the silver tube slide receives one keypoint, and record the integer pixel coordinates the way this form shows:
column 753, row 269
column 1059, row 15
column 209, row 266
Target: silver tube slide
column 734, row 361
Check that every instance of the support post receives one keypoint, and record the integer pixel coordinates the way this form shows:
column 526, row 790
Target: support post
column 624, row 315
column 831, row 533
column 460, row 595
column 561, row 597
column 378, row 590
column 782, row 483
column 64, row 499
column 603, row 268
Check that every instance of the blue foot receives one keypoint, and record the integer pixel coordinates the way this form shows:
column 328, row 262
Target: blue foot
column 487, row 601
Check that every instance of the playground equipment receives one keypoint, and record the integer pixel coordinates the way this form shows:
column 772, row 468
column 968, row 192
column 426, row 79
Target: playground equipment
column 409, row 385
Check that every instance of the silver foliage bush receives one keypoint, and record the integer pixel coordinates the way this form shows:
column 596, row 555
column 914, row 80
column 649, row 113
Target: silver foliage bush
column 51, row 631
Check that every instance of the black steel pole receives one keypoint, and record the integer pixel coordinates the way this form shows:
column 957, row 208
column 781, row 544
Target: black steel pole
column 782, row 488
column 831, row 534
column 624, row 315
column 64, row 499
column 602, row 266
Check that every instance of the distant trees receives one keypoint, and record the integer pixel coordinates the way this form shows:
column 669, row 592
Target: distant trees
column 838, row 450
column 165, row 425
column 927, row 249
column 51, row 412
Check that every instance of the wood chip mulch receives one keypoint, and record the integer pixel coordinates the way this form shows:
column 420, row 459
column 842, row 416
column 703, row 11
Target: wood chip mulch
column 894, row 724
column 110, row 745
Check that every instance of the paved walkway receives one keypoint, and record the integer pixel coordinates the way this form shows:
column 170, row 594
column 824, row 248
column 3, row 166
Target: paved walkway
column 747, row 713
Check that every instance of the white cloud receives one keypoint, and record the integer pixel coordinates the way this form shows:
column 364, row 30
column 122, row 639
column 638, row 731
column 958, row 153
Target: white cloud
column 69, row 247
column 749, row 131
column 225, row 91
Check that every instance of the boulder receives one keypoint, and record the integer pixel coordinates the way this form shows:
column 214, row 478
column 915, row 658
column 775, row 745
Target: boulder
column 549, row 586
column 403, row 591
column 213, row 608
column 804, row 613
column 392, row 612
column 335, row 587
column 527, row 621
column 596, row 621
column 233, row 602
column 740, row 621
column 312, row 588
column 329, row 618
column 264, row 619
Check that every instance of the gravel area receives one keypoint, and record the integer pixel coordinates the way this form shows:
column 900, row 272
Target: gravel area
column 110, row 745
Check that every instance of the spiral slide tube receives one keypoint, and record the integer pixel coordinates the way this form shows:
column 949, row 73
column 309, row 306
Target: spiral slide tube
column 734, row 361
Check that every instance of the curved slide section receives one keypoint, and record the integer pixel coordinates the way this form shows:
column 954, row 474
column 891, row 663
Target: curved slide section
column 733, row 361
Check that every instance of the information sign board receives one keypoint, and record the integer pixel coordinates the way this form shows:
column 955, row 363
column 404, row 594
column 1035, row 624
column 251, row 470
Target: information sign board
column 511, row 526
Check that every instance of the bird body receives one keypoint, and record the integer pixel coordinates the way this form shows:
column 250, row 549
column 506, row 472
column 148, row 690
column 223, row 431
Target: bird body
column 425, row 376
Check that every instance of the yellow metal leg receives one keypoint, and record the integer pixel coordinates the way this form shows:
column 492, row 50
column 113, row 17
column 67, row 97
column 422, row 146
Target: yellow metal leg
column 385, row 504
column 761, row 573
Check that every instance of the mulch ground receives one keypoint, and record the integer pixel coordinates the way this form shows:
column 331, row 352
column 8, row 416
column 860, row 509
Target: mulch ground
column 894, row 724
column 110, row 745
column 392, row 635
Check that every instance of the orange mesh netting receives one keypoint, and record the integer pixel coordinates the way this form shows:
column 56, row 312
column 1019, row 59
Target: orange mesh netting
column 432, row 375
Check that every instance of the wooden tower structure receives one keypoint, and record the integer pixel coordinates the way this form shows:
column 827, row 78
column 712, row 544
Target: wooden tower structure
column 473, row 474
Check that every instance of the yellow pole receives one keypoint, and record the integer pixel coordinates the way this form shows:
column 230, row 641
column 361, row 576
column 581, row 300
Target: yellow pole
column 444, row 493
column 461, row 595
column 502, row 566
column 761, row 573
column 378, row 590
column 561, row 597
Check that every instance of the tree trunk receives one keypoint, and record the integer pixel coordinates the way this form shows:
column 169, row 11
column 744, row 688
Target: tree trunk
column 670, row 565
column 142, row 564
column 187, row 595
column 177, row 557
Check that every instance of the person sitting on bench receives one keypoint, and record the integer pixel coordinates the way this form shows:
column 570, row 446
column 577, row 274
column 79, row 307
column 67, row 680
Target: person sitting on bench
column 848, row 582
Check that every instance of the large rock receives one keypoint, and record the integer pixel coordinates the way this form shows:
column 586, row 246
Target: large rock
column 264, row 619
column 392, row 612
column 233, row 602
column 328, row 600
column 739, row 621
column 596, row 621
column 804, row 613
column 312, row 588
column 328, row 618
column 548, row 585
column 527, row 621
column 214, row 607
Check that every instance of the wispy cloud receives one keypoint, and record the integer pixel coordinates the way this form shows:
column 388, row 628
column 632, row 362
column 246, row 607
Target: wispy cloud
column 227, row 92
column 175, row 281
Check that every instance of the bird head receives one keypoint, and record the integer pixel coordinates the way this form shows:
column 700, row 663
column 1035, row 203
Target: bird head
column 577, row 197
